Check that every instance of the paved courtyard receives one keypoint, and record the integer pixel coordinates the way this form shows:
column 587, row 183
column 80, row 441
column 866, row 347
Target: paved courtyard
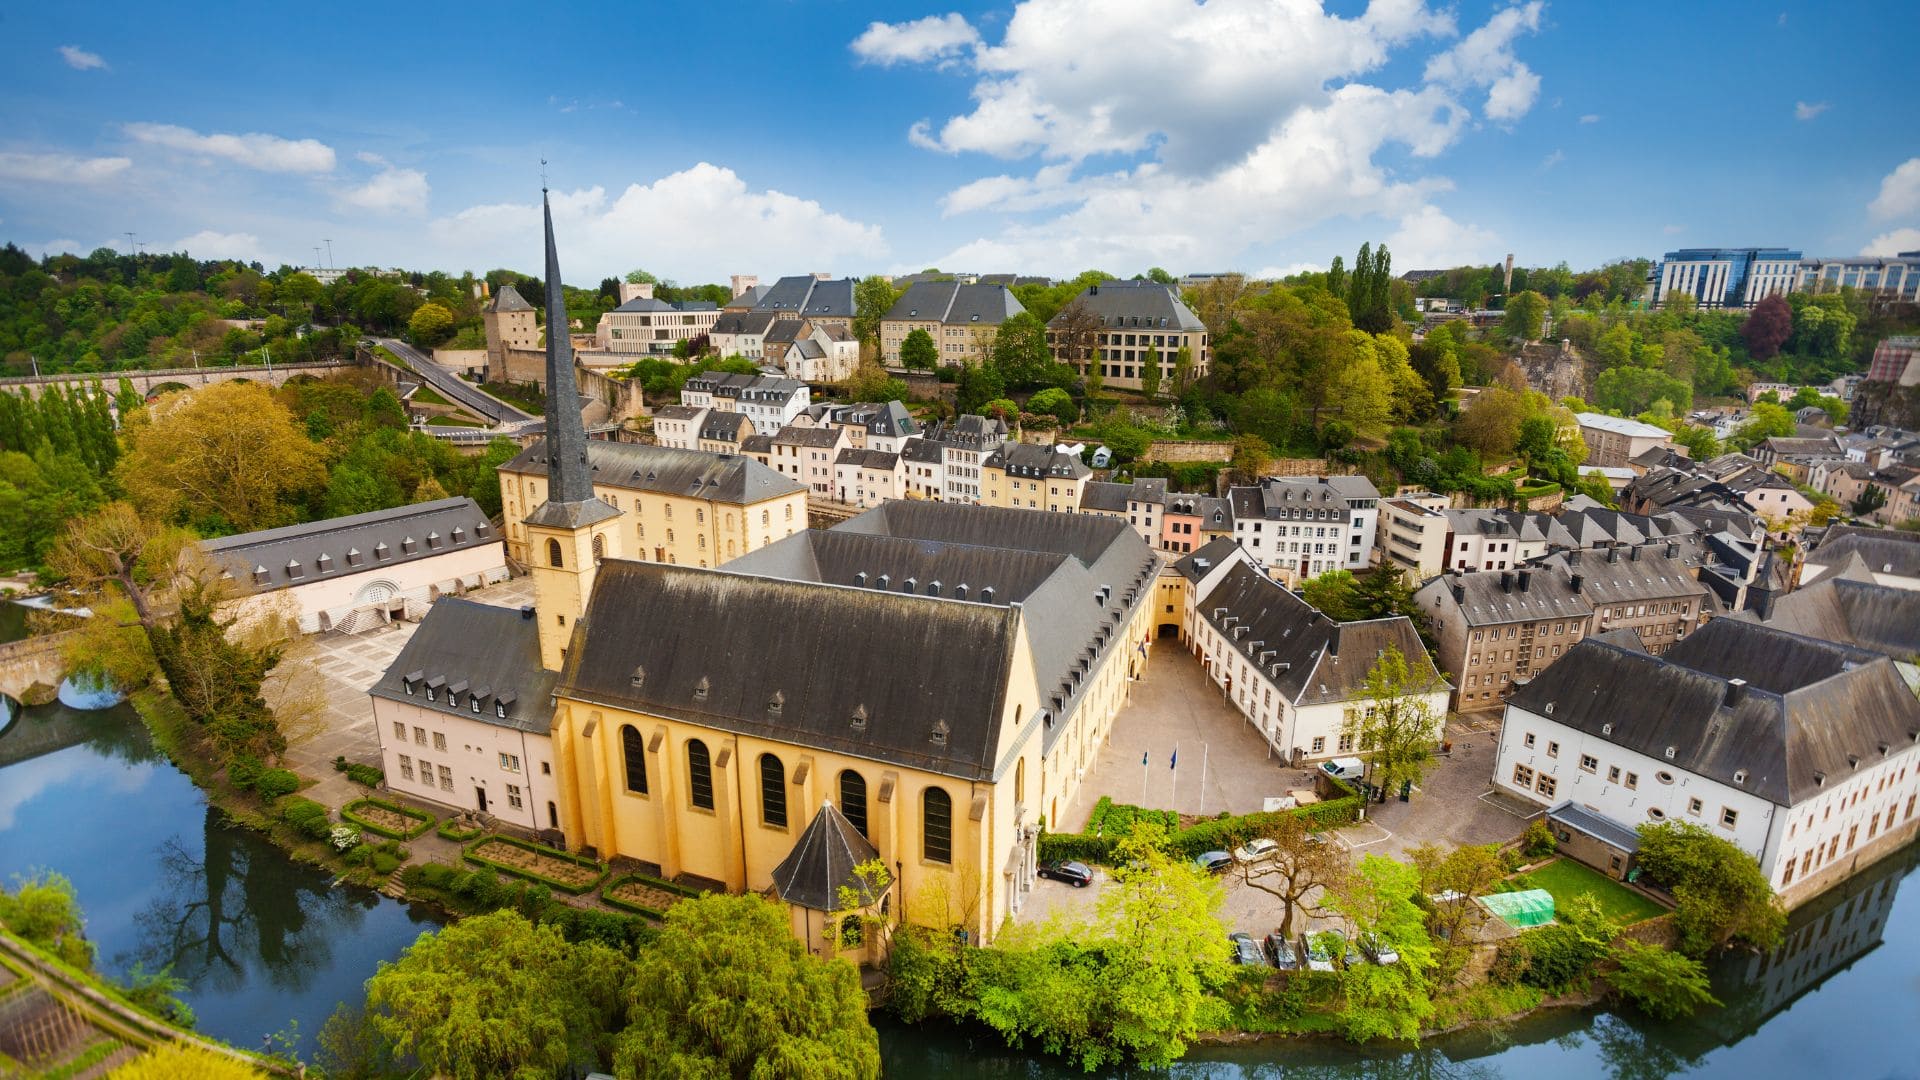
column 343, row 667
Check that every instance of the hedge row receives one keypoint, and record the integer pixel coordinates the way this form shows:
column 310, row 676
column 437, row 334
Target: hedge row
column 450, row 830
column 471, row 854
column 607, row 897
column 1116, row 820
column 1214, row 834
column 426, row 820
column 308, row 816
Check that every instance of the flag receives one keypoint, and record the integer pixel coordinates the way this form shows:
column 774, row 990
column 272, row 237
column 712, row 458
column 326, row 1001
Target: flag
column 1143, row 648
column 1175, row 763
column 1143, row 759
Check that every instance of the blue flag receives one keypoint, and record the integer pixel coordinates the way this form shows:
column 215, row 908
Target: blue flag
column 1175, row 763
column 1143, row 759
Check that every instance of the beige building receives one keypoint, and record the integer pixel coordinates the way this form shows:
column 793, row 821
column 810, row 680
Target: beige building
column 1032, row 477
column 1413, row 533
column 510, row 325
column 1495, row 629
column 867, row 478
column 961, row 318
column 1140, row 504
column 675, row 506
column 1132, row 320
column 808, row 455
column 642, row 324
column 1613, row 441
column 678, row 426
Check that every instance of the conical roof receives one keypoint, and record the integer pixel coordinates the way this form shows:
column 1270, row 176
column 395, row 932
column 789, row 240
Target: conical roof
column 823, row 862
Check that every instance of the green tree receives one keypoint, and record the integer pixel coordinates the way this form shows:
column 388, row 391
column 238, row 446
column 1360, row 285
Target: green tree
column 1388, row 1001
column 918, row 350
column 430, row 324
column 1302, row 868
column 1150, row 373
column 1526, row 314
column 1182, row 370
column 494, row 995
column 1252, row 457
column 1020, row 355
column 1664, row 984
column 870, row 382
column 1162, row 277
column 1335, row 594
column 977, row 385
column 873, row 297
column 641, row 277
column 1491, row 423
column 1395, row 722
column 1054, row 402
column 44, row 910
column 1767, row 421
column 1459, row 874
column 726, row 991
column 228, row 455
column 1720, row 890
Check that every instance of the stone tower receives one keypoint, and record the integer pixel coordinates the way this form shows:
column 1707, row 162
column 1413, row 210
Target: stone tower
column 569, row 533
column 509, row 324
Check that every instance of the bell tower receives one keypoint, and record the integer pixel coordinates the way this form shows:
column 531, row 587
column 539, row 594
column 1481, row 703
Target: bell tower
column 569, row 533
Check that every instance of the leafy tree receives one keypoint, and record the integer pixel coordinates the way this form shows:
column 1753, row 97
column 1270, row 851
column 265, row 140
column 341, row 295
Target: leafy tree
column 186, row 1061
column 1162, row 277
column 1394, row 721
column 1252, row 457
column 725, row 990
column 918, row 350
column 977, row 385
column 873, row 297
column 1526, row 312
column 1020, row 355
column 870, row 382
column 1384, row 1001
column 1666, row 985
column 430, row 324
column 1871, row 498
column 44, row 910
column 494, row 995
column 1767, row 421
column 1003, row 408
column 1054, row 402
column 1150, row 373
column 1491, row 423
column 1720, row 890
column 641, row 277
column 228, row 455
column 1823, row 326
column 1302, row 867
column 1456, row 875
column 1631, row 390
column 1334, row 593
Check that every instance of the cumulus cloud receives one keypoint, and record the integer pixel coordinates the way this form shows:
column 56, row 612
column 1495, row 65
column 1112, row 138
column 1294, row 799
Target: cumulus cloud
column 941, row 38
column 391, row 190
column 207, row 244
column 268, row 153
column 80, row 59
column 704, row 222
column 1893, row 243
column 1805, row 111
column 1485, row 58
column 61, row 168
column 1429, row 238
column 1899, row 192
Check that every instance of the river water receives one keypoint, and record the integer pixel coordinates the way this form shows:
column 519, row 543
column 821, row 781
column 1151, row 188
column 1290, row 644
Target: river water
column 263, row 941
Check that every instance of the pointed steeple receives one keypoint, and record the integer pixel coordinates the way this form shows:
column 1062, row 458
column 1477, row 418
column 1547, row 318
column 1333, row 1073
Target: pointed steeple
column 570, row 500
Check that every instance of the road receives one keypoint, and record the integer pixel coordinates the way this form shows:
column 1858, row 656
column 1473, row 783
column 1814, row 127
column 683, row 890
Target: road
column 453, row 387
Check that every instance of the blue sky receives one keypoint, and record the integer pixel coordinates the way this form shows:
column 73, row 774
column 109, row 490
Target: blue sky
column 1045, row 136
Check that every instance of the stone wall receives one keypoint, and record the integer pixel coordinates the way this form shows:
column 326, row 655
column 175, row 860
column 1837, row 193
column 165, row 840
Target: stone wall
column 1177, row 451
column 461, row 359
column 1556, row 369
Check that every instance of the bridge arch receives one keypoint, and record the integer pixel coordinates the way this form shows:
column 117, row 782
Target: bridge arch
column 166, row 388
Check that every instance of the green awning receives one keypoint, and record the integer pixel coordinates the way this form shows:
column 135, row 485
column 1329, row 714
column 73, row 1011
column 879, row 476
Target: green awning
column 1522, row 910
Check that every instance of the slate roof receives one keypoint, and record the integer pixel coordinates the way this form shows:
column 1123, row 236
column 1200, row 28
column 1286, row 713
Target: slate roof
column 1118, row 303
column 508, row 298
column 757, row 444
column 1808, row 710
column 723, row 426
column 969, row 431
column 1863, row 614
column 743, row 322
column 678, row 412
column 337, row 547
column 888, row 419
column 823, row 861
column 1104, row 495
column 1632, row 429
column 881, row 460
column 1198, row 563
column 648, row 303
column 783, row 330
column 1311, row 658
column 1032, row 460
column 794, row 435
column 1633, row 575
column 1597, row 825
column 1885, row 551
column 950, row 302
column 475, row 650
column 1277, row 497
column 1494, row 597
column 807, row 295
column 749, row 296
column 924, row 451
column 669, row 471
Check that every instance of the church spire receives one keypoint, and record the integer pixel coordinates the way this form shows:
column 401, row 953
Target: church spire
column 570, row 499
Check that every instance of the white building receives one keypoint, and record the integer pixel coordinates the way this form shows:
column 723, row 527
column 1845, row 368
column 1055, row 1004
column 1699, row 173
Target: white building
column 771, row 403
column 642, row 324
column 463, row 716
column 679, row 426
column 1804, row 753
column 826, row 352
column 867, row 478
column 1142, row 503
column 354, row 573
column 1301, row 527
column 1295, row 674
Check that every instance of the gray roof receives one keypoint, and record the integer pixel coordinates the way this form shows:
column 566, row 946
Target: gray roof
column 1597, row 825
column 884, row 418
column 925, row 451
column 823, row 863
column 1807, row 711
column 1276, row 497
column 954, row 303
column 648, row 303
column 1032, row 460
column 1492, row 597
column 723, row 426
column 794, row 435
column 669, row 471
column 297, row 554
column 508, row 298
column 783, row 329
column 1197, row 564
column 1137, row 303
column 1308, row 656
column 1863, row 614
column 678, row 412
column 743, row 322
column 1103, row 495
column 969, row 431
column 1618, row 576
column 1884, row 551
column 757, row 444
column 883, row 460
column 807, row 295
column 749, row 296
column 468, row 650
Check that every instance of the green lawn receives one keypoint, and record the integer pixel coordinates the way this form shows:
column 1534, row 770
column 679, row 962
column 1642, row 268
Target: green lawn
column 1566, row 879
column 458, row 420
column 426, row 396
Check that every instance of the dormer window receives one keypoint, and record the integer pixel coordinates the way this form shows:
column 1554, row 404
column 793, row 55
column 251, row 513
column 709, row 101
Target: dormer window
column 638, row 678
column 408, row 545
column 293, row 569
column 776, row 703
column 1740, row 776
column 381, row 551
column 700, row 689
column 500, row 709
column 940, row 733
column 859, row 718
column 260, row 575
column 475, row 701
column 354, row 558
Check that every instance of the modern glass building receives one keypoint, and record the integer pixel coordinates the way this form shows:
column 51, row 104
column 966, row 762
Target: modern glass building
column 1742, row 277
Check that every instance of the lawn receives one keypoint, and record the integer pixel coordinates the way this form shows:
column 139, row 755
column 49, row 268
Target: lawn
column 1566, row 879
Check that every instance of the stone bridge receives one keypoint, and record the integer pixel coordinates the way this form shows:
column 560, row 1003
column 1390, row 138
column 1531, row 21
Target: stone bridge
column 149, row 381
column 31, row 660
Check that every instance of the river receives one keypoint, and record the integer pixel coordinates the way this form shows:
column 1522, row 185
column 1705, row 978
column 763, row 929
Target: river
column 263, row 941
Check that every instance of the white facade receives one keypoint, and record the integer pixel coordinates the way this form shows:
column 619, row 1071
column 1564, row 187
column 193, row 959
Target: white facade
column 864, row 483
column 682, row 432
column 445, row 756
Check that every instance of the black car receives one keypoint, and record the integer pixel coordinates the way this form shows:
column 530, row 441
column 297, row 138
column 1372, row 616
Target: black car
column 1245, row 951
column 1281, row 951
column 1075, row 874
column 1214, row 862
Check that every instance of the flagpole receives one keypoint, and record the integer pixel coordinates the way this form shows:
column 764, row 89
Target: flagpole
column 1204, row 748
column 1143, row 778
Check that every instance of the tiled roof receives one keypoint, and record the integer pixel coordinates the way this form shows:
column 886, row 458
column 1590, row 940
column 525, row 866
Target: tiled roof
column 473, row 653
column 337, row 547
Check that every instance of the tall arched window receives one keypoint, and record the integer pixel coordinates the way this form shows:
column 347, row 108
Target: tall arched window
column 936, row 826
column 634, row 749
column 553, row 552
column 1020, row 781
column 853, row 800
column 773, row 791
column 699, row 775
column 599, row 548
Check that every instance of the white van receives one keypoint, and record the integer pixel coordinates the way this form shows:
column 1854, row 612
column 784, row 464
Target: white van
column 1344, row 768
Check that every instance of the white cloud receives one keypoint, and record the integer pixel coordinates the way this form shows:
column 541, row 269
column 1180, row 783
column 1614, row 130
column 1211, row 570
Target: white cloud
column 1428, row 238
column 207, row 244
column 80, row 59
column 269, row 153
column 703, row 222
column 61, row 168
column 937, row 37
column 1893, row 243
column 1673, row 230
column 1552, row 159
column 1485, row 58
column 1804, row 111
column 1275, row 273
column 391, row 190
column 1590, row 118
column 1899, row 192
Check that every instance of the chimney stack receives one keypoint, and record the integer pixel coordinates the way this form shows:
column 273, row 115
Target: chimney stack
column 1613, row 554
column 1673, row 549
column 1506, row 581
column 1459, row 592
column 1576, row 581
column 1633, row 554
column 1736, row 689
column 1524, row 575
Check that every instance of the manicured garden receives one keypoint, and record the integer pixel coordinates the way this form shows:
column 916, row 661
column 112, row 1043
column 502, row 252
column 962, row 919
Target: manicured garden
column 1567, row 879
column 645, row 895
column 562, row 870
column 387, row 819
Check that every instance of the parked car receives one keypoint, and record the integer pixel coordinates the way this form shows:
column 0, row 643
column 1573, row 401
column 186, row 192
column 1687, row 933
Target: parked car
column 1256, row 849
column 1245, row 951
column 1281, row 951
column 1072, row 873
column 1318, row 956
column 1214, row 862
column 1378, row 949
column 1342, row 946
column 1344, row 768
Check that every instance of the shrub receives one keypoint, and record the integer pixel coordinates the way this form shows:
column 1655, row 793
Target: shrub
column 421, row 819
column 1720, row 891
column 244, row 770
column 1664, row 984
column 437, row 875
column 385, row 862
column 344, row 836
column 450, row 830
column 358, row 854
column 363, row 774
column 273, row 783
column 1538, row 841
column 308, row 816
column 1555, row 957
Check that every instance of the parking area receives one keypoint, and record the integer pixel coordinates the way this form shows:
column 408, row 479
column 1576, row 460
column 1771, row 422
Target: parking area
column 341, row 668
